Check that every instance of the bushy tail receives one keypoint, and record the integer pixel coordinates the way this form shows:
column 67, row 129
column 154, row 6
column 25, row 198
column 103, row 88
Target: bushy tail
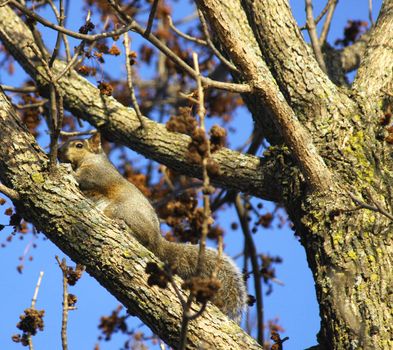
column 231, row 297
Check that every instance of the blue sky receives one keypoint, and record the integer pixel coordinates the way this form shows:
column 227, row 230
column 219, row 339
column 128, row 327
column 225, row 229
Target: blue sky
column 294, row 304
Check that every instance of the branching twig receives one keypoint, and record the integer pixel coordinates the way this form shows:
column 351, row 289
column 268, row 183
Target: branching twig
column 207, row 82
column 64, row 16
column 86, row 37
column 377, row 206
column 313, row 36
column 320, row 16
column 60, row 19
column 328, row 21
column 129, row 81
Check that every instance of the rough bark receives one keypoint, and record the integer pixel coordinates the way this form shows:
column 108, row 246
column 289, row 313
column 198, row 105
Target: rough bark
column 121, row 124
column 349, row 249
column 334, row 136
column 374, row 78
column 54, row 204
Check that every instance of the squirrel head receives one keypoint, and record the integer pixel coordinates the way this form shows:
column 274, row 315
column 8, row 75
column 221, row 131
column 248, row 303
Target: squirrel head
column 78, row 150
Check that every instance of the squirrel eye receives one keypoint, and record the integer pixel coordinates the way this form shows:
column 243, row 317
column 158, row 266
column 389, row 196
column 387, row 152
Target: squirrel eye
column 79, row 145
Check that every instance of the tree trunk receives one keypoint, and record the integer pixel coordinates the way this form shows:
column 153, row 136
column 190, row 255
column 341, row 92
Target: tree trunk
column 334, row 173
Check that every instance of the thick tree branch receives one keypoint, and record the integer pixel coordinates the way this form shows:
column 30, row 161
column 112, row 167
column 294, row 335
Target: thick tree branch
column 229, row 22
column 375, row 73
column 306, row 87
column 53, row 203
column 119, row 123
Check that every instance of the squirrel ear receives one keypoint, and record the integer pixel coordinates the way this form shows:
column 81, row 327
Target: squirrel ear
column 95, row 143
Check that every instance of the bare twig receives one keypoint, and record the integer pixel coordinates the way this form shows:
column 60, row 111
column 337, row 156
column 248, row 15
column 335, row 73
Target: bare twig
column 205, row 30
column 71, row 63
column 151, row 17
column 60, row 19
column 242, row 214
column 320, row 16
column 77, row 133
column 207, row 82
column 370, row 11
column 63, row 267
column 184, row 324
column 86, row 37
column 328, row 21
column 37, row 288
column 129, row 81
column 25, row 89
column 10, row 193
column 313, row 36
column 33, row 302
column 206, row 180
column 32, row 105
column 377, row 207
column 184, row 35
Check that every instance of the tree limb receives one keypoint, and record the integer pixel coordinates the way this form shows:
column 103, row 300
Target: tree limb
column 375, row 73
column 306, row 87
column 54, row 204
column 241, row 47
column 119, row 123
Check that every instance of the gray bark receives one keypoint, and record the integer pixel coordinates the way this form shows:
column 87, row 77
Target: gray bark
column 54, row 204
column 334, row 150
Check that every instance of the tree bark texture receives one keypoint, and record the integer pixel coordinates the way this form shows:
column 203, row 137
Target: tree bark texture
column 54, row 204
column 330, row 165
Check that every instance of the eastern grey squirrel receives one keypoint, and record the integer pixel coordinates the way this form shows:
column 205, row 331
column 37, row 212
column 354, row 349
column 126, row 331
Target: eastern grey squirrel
column 119, row 199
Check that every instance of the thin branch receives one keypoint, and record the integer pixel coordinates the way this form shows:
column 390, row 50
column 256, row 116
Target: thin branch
column 242, row 214
column 37, row 288
column 313, row 35
column 26, row 89
column 370, row 12
column 377, row 206
column 151, row 17
column 184, row 325
column 184, row 35
column 320, row 16
column 207, row 82
column 71, row 63
column 10, row 193
column 33, row 302
column 60, row 19
column 86, row 37
column 205, row 30
column 328, row 21
column 206, row 180
column 32, row 105
column 129, row 81
column 63, row 267
column 78, row 133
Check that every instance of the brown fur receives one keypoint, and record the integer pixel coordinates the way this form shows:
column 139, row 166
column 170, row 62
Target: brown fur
column 121, row 200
